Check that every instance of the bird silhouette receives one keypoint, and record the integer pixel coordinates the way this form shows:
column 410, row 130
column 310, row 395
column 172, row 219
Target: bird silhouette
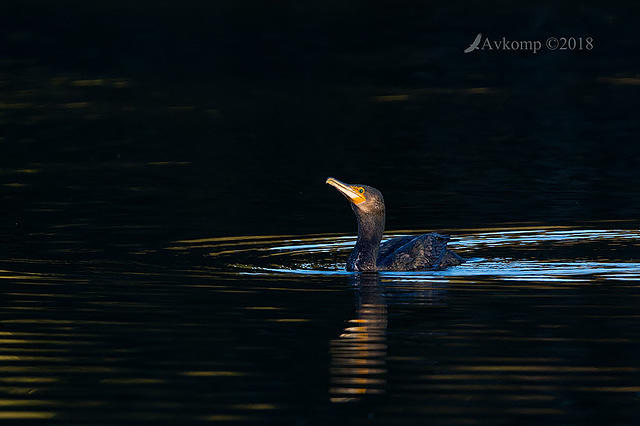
column 473, row 46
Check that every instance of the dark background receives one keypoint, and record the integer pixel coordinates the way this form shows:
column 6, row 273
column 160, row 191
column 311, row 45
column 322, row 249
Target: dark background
column 125, row 126
column 134, row 124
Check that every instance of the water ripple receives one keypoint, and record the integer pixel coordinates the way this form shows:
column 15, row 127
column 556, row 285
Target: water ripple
column 530, row 253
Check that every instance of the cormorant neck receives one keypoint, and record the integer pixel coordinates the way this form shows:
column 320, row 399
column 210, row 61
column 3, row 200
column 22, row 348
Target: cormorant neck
column 370, row 230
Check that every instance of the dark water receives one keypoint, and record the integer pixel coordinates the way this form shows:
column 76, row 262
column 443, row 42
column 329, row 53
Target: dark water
column 541, row 326
column 169, row 252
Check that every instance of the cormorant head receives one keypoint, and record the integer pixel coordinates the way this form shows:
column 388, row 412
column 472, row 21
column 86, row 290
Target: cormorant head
column 368, row 205
column 365, row 200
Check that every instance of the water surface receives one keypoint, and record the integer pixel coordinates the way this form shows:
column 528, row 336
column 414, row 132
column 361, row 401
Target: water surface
column 541, row 325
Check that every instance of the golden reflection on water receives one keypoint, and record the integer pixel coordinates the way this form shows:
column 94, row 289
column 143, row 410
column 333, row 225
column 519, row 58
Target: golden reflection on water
column 27, row 379
column 254, row 406
column 26, row 415
column 358, row 356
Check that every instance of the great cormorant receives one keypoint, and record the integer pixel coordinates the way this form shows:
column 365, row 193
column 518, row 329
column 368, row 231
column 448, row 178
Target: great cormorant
column 410, row 253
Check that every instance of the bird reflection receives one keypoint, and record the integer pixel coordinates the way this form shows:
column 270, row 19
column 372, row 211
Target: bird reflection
column 359, row 355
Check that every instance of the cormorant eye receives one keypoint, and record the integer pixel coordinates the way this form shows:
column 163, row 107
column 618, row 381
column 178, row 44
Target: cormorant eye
column 361, row 190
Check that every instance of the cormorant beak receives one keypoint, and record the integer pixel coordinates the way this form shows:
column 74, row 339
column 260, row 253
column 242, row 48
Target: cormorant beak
column 355, row 195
